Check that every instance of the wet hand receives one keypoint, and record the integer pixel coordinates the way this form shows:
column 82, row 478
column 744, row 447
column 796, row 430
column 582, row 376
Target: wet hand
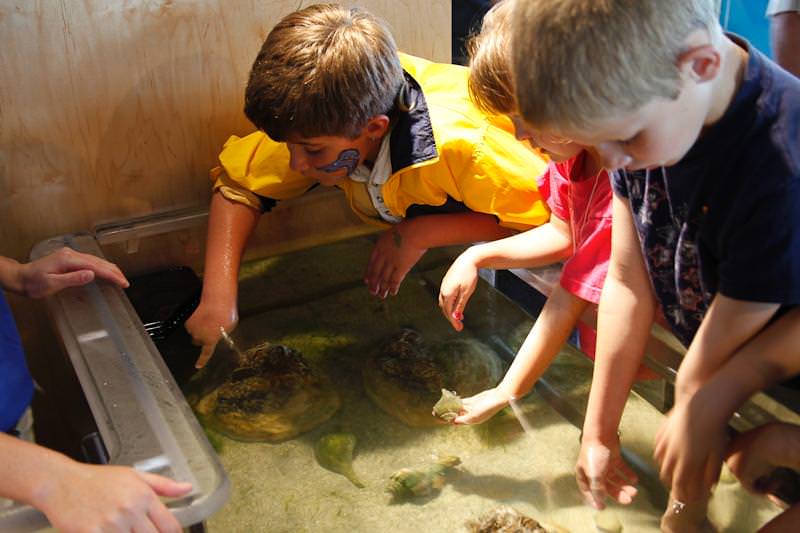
column 204, row 327
column 482, row 406
column 391, row 259
column 601, row 472
column 690, row 446
column 65, row 268
column 457, row 287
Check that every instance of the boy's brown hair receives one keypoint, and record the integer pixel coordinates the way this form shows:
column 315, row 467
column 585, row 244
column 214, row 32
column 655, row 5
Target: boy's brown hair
column 490, row 83
column 579, row 61
column 323, row 70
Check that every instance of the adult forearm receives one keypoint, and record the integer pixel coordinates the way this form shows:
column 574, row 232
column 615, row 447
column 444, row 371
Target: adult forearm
column 27, row 469
column 10, row 278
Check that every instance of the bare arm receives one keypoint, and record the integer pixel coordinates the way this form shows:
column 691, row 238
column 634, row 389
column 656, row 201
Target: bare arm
column 727, row 325
column 230, row 225
column 56, row 271
column 77, row 497
column 552, row 328
column 691, row 444
column 625, row 314
column 540, row 246
column 400, row 247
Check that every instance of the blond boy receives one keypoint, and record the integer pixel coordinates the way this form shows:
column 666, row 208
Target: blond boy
column 702, row 130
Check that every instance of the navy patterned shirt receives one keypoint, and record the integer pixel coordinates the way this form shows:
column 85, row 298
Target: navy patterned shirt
column 727, row 216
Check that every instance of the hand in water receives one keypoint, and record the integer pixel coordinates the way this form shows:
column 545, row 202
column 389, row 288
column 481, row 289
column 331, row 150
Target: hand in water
column 482, row 406
column 204, row 327
column 602, row 472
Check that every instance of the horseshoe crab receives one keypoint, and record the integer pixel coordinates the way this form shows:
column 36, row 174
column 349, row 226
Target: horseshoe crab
column 272, row 395
column 405, row 378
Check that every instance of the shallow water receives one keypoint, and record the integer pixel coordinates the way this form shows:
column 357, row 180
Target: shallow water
column 314, row 301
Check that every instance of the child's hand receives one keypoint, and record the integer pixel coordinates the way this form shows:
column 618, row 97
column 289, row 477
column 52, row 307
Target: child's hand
column 65, row 268
column 457, row 286
column 204, row 327
column 391, row 259
column 482, row 406
column 755, row 454
column 690, row 446
column 602, row 472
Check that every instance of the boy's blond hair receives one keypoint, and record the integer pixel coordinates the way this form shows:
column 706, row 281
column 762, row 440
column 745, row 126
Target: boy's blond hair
column 323, row 70
column 579, row 61
column 490, row 84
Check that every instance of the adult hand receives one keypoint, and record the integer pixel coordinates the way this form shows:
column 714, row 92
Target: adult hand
column 391, row 259
column 204, row 327
column 65, row 268
column 91, row 498
column 602, row 472
column 690, row 446
column 482, row 406
column 457, row 287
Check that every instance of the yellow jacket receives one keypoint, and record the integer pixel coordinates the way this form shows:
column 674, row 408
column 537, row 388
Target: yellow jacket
column 444, row 147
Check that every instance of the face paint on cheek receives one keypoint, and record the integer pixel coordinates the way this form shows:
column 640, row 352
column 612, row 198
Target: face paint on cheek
column 348, row 160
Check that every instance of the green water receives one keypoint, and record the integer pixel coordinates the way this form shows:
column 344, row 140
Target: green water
column 314, row 301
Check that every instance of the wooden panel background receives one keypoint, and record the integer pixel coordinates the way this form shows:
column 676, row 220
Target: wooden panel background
column 112, row 109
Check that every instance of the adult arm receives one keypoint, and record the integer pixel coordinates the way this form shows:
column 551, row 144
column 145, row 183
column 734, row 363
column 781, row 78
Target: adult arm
column 625, row 314
column 542, row 245
column 78, row 497
column 56, row 271
column 399, row 248
column 230, row 225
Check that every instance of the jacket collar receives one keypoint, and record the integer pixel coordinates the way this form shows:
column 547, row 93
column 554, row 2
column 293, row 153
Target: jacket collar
column 412, row 140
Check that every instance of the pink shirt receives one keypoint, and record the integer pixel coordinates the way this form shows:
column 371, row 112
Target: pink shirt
column 585, row 203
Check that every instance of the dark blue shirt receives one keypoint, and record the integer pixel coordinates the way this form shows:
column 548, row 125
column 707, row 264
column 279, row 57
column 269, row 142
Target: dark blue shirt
column 726, row 218
column 16, row 386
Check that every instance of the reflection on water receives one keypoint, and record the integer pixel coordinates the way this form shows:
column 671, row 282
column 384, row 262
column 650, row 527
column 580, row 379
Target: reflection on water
column 315, row 302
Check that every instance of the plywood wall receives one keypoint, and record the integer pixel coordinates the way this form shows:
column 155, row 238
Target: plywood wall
column 112, row 109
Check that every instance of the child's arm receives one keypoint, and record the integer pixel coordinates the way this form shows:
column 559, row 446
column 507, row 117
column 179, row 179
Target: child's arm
column 86, row 497
column 690, row 445
column 552, row 328
column 543, row 245
column 399, row 248
column 229, row 227
column 625, row 314
column 727, row 325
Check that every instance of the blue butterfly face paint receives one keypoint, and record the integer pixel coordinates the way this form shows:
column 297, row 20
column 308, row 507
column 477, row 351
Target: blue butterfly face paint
column 348, row 160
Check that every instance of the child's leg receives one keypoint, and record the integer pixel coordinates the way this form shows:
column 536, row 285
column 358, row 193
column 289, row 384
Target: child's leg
column 682, row 517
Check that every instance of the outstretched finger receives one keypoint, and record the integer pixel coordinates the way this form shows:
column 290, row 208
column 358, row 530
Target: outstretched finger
column 205, row 355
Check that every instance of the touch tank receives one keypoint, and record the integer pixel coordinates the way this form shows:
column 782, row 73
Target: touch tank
column 312, row 299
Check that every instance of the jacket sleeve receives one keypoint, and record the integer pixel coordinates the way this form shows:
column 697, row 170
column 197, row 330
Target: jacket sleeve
column 254, row 169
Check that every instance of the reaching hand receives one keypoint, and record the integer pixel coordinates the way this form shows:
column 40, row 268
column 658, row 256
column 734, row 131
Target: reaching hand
column 65, row 268
column 690, row 446
column 391, row 259
column 457, row 287
column 601, row 472
column 482, row 406
column 754, row 455
column 204, row 327
column 110, row 498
